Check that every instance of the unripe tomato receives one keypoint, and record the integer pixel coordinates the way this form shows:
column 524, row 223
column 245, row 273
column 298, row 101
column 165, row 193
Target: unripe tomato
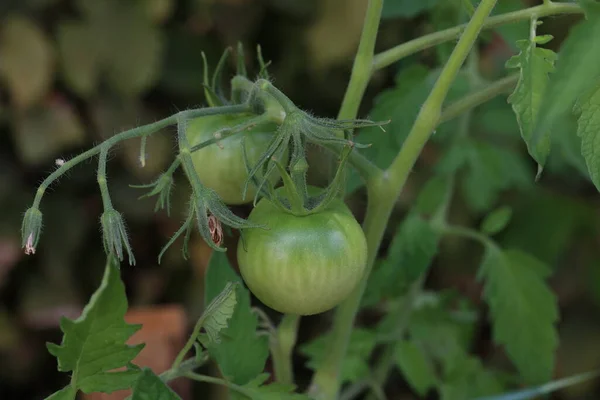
column 302, row 264
column 221, row 166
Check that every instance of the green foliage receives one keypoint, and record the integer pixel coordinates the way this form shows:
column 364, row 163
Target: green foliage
column 496, row 221
column 356, row 363
column 535, row 64
column 406, row 8
column 410, row 254
column 588, row 128
column 576, row 68
column 151, row 387
column 255, row 390
column 95, row 344
column 241, row 353
column 219, row 312
column 400, row 105
column 488, row 170
column 518, row 296
column 416, row 367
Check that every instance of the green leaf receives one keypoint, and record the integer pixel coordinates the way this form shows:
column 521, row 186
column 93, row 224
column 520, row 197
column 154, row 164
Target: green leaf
column 576, row 68
column 432, row 195
column 469, row 379
column 219, row 311
column 523, row 310
column 275, row 391
column 66, row 393
column 497, row 220
column 588, row 128
column 95, row 343
column 241, row 354
column 411, row 252
column 406, row 8
column 356, row 366
column 535, row 64
column 415, row 366
column 151, row 387
column 490, row 170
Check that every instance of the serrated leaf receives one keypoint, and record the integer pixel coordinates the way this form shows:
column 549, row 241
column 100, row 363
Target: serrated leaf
column 27, row 60
column 219, row 311
column 241, row 353
column 588, row 129
column 151, row 387
column 254, row 390
column 415, row 366
column 535, row 64
column 114, row 380
column 405, row 8
column 497, row 220
column 577, row 66
column 490, row 170
column 95, row 343
column 410, row 254
column 356, row 366
column 518, row 296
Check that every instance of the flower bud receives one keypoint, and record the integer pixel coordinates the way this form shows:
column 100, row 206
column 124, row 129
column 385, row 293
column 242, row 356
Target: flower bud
column 114, row 235
column 31, row 229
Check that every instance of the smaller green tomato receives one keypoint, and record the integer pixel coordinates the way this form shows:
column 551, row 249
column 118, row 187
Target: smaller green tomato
column 221, row 166
column 302, row 264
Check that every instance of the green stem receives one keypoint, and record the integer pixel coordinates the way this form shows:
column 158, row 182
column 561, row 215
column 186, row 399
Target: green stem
column 363, row 62
column 383, row 192
column 399, row 52
column 101, row 178
column 130, row 134
column 282, row 346
column 473, row 100
column 188, row 345
column 185, row 367
column 217, row 381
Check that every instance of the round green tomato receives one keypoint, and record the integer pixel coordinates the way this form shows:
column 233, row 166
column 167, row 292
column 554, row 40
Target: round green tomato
column 302, row 264
column 221, row 166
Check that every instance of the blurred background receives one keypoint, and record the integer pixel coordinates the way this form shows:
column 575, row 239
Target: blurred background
column 75, row 72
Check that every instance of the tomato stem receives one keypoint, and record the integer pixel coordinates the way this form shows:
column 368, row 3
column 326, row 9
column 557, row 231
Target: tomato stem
column 282, row 346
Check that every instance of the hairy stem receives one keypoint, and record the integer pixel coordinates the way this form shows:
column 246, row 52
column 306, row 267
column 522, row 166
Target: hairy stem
column 130, row 134
column 383, row 193
column 282, row 346
column 399, row 52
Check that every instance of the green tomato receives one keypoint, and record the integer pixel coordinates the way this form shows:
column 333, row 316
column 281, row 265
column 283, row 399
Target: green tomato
column 302, row 264
column 221, row 166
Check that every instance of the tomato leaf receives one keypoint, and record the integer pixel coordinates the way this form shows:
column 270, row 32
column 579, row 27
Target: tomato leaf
column 151, row 387
column 416, row 367
column 410, row 254
column 95, row 343
column 497, row 220
column 535, row 64
column 588, row 128
column 241, row 354
column 577, row 66
column 274, row 391
column 518, row 296
column 219, row 312
column 444, row 340
column 356, row 366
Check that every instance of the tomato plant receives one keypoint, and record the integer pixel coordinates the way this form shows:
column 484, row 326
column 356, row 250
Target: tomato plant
column 302, row 264
column 221, row 166
column 302, row 251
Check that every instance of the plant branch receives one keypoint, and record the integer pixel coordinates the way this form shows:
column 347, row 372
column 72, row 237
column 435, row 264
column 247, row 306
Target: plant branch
column 477, row 98
column 141, row 131
column 399, row 52
column 363, row 62
column 383, row 193
column 217, row 381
